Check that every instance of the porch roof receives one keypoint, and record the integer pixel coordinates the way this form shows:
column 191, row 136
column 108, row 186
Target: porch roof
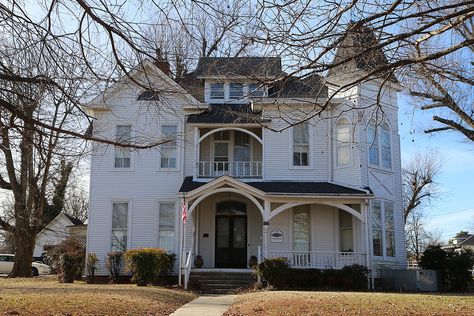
column 288, row 187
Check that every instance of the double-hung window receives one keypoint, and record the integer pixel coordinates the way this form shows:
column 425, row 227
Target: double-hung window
column 217, row 91
column 343, row 142
column 346, row 237
column 166, row 226
column 236, row 91
column 383, row 232
column 119, row 226
column 301, row 144
column 378, row 139
column 301, row 228
column 169, row 150
column 256, row 90
column 123, row 135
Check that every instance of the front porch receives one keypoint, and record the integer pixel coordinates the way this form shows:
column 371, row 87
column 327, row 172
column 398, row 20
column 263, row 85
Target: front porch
column 231, row 222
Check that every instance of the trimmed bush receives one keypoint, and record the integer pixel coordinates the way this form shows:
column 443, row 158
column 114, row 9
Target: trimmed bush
column 114, row 263
column 147, row 264
column 454, row 266
column 277, row 273
column 91, row 265
column 67, row 259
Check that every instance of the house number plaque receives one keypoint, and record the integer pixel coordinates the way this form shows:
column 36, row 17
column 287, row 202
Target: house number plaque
column 276, row 235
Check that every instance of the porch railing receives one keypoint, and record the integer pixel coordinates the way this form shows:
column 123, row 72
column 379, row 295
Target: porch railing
column 319, row 259
column 238, row 169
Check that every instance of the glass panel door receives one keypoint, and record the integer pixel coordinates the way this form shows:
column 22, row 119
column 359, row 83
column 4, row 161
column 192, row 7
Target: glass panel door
column 221, row 157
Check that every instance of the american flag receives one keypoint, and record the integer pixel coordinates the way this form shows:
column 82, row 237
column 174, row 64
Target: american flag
column 184, row 213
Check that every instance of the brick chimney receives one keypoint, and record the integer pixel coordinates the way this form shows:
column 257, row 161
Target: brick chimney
column 162, row 63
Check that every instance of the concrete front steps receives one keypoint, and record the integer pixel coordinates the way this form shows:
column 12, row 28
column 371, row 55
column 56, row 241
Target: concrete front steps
column 220, row 281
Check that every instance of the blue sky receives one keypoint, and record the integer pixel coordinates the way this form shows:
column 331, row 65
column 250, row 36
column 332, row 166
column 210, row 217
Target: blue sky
column 454, row 210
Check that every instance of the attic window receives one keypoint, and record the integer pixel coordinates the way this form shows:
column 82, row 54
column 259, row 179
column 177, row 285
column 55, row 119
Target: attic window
column 149, row 95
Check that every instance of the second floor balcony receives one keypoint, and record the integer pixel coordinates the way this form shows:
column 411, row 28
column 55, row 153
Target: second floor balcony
column 234, row 152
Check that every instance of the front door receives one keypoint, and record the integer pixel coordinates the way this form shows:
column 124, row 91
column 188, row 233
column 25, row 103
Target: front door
column 231, row 235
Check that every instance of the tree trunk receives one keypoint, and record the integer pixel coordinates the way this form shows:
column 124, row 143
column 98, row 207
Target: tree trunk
column 24, row 245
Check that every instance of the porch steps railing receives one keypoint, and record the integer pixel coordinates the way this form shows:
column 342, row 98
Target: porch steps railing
column 319, row 259
column 238, row 169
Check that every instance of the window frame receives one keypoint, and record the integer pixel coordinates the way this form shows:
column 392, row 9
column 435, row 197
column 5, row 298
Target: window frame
column 292, row 227
column 377, row 143
column 259, row 87
column 166, row 146
column 211, row 98
column 241, row 96
column 383, row 230
column 131, row 152
column 310, row 148
column 348, row 145
column 340, row 229
column 129, row 216
column 175, row 222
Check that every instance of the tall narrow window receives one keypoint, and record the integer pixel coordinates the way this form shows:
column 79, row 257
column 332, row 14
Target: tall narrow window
column 377, row 228
column 169, row 150
column 385, row 148
column 379, row 143
column 119, row 226
column 123, row 134
column 383, row 230
column 346, row 236
column 236, row 91
column 217, row 91
column 373, row 143
column 301, row 228
column 166, row 226
column 343, row 139
column 301, row 144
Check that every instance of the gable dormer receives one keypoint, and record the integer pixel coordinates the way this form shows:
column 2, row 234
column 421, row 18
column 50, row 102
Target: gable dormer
column 236, row 79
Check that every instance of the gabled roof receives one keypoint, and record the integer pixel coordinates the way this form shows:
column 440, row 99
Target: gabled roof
column 310, row 87
column 73, row 220
column 252, row 67
column 357, row 40
column 468, row 241
column 287, row 187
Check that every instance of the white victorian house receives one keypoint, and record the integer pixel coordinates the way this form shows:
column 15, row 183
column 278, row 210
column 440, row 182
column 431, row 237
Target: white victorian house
column 259, row 173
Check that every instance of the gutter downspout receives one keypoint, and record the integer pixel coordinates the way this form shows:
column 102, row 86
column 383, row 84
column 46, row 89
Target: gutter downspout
column 330, row 146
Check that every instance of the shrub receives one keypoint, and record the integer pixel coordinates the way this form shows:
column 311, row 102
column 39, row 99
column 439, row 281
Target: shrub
column 354, row 277
column 454, row 266
column 274, row 271
column 67, row 259
column 92, row 261
column 114, row 263
column 147, row 264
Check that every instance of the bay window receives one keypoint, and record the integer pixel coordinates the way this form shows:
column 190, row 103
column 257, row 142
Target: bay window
column 301, row 144
column 383, row 231
column 379, row 143
column 119, row 226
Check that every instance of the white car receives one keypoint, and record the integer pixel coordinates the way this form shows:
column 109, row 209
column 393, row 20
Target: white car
column 7, row 260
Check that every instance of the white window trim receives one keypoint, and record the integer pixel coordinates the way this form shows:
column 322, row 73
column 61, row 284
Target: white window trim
column 384, row 242
column 132, row 152
column 310, row 149
column 176, row 222
column 351, row 145
column 337, row 228
column 178, row 148
column 245, row 90
column 129, row 222
column 379, row 147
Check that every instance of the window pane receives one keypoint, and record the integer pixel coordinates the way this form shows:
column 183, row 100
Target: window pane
column 119, row 215
column 256, row 90
column 221, row 150
column 301, row 228
column 343, row 140
column 385, row 147
column 390, row 243
column 166, row 226
column 168, row 157
column 346, row 239
column 372, row 142
column 170, row 132
column 217, row 91
column 388, row 209
column 345, row 219
column 123, row 134
column 300, row 133
column 236, row 90
column 376, row 215
column 377, row 242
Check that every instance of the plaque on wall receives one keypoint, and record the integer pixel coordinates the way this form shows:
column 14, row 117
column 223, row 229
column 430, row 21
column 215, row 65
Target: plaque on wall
column 276, row 235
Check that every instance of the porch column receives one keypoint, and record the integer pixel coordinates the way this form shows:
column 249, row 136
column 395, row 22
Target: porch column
column 368, row 240
column 266, row 222
column 196, row 151
column 182, row 245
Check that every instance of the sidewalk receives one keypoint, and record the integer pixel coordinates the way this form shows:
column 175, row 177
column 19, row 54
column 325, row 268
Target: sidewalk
column 206, row 305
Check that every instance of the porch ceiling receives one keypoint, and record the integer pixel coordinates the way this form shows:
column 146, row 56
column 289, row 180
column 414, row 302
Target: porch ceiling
column 286, row 188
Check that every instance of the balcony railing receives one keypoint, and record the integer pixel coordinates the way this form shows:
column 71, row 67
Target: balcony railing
column 238, row 169
column 320, row 259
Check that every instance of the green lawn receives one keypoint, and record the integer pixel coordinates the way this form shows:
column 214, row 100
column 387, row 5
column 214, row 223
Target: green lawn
column 350, row 303
column 46, row 296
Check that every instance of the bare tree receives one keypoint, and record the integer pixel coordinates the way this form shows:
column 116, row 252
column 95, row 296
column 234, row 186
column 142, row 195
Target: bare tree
column 419, row 181
column 417, row 237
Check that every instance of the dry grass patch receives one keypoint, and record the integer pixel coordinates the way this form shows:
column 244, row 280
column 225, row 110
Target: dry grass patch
column 45, row 296
column 348, row 303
